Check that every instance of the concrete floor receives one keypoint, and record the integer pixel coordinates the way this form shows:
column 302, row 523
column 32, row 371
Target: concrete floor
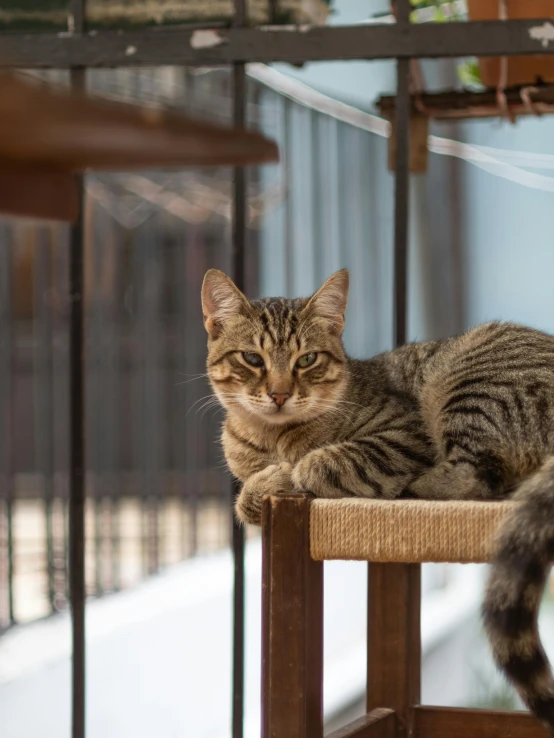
column 159, row 655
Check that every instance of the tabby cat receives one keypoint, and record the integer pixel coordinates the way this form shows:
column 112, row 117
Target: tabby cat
column 468, row 418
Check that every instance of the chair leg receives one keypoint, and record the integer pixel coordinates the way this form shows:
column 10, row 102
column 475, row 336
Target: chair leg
column 292, row 623
column 394, row 641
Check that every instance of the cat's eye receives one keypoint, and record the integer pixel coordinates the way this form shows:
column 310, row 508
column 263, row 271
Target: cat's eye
column 253, row 359
column 307, row 360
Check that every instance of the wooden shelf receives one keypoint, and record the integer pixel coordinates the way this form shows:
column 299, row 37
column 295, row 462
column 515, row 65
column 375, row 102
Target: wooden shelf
column 48, row 134
column 462, row 105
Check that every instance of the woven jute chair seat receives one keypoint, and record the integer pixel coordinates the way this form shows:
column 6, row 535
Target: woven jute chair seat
column 406, row 531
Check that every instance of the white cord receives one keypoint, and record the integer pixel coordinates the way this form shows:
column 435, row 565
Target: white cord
column 499, row 162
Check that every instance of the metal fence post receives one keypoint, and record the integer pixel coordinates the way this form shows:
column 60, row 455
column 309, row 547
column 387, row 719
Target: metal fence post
column 77, row 585
column 238, row 270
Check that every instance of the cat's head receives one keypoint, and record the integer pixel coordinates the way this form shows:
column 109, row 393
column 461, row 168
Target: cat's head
column 276, row 360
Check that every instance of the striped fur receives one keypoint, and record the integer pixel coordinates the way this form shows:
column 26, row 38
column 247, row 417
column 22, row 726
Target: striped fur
column 520, row 569
column 470, row 417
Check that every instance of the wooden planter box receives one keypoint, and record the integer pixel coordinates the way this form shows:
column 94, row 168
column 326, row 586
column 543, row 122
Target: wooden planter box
column 522, row 70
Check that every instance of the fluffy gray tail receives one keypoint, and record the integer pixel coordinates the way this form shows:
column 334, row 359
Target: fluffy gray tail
column 519, row 572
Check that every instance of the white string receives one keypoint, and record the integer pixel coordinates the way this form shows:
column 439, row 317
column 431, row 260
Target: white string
column 498, row 162
column 476, row 156
column 310, row 98
column 522, row 158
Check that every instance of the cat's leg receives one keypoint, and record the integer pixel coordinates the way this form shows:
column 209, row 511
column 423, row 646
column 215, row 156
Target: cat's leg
column 457, row 479
column 356, row 469
column 272, row 480
column 474, row 447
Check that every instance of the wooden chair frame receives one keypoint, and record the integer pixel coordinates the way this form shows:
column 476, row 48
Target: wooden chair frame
column 292, row 647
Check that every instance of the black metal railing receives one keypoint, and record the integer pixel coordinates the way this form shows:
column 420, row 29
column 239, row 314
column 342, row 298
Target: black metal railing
column 156, row 492
column 108, row 357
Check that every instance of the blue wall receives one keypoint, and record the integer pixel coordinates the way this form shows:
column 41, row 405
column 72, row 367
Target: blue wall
column 508, row 231
column 481, row 247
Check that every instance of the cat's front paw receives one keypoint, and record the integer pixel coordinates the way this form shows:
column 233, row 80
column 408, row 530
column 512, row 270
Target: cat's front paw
column 316, row 473
column 272, row 480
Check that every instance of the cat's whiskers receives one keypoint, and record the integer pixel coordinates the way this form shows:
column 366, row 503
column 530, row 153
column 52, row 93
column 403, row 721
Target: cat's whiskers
column 194, row 379
column 208, row 405
column 200, row 400
column 232, row 400
column 321, row 407
column 342, row 401
column 211, row 398
column 328, row 410
column 340, row 406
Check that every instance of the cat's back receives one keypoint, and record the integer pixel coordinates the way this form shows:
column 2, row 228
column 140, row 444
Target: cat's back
column 493, row 348
column 488, row 351
column 397, row 373
column 497, row 374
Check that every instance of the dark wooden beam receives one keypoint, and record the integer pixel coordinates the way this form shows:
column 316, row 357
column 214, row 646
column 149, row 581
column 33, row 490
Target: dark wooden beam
column 290, row 44
column 458, row 104
column 292, row 623
column 444, row 722
column 45, row 125
column 38, row 192
column 380, row 723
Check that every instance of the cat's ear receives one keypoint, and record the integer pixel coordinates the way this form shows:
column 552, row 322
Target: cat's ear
column 221, row 299
column 329, row 301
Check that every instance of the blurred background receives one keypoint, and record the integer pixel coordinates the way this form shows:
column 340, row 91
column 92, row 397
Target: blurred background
column 159, row 569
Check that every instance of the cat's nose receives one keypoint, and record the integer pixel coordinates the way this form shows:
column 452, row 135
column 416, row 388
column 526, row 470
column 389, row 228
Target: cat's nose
column 279, row 398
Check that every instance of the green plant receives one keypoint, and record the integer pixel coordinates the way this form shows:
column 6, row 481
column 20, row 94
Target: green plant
column 445, row 11
column 438, row 11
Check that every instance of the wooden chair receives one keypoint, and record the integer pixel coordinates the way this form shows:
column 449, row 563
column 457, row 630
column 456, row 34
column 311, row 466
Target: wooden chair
column 298, row 535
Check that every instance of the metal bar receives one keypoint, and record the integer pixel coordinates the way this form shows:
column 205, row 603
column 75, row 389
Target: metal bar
column 96, row 394
column 231, row 45
column 286, row 106
column 140, row 256
column 76, row 22
column 77, row 420
column 7, row 418
column 318, row 195
column 77, row 587
column 193, row 244
column 183, row 358
column 151, row 322
column 343, row 177
column 273, row 11
column 43, row 404
column 61, row 399
column 401, row 197
column 112, row 354
column 238, row 248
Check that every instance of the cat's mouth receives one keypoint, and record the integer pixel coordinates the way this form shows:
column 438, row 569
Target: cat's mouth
column 273, row 413
column 294, row 409
column 278, row 412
